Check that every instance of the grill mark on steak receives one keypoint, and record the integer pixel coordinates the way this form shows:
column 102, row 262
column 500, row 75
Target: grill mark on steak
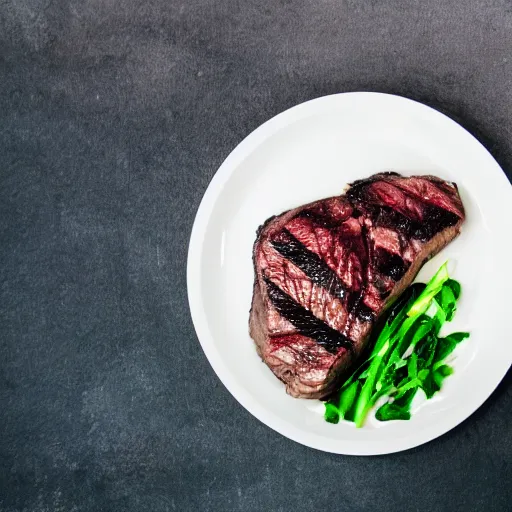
column 320, row 273
column 436, row 219
column 344, row 259
column 389, row 264
column 310, row 263
column 306, row 323
column 277, row 324
column 295, row 283
column 391, row 206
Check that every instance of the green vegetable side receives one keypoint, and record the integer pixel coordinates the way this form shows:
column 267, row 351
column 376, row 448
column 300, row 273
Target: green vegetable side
column 407, row 355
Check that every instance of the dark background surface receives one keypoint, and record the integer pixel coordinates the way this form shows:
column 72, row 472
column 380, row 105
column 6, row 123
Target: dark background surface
column 114, row 116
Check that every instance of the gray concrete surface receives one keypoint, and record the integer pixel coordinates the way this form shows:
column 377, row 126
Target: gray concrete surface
column 114, row 116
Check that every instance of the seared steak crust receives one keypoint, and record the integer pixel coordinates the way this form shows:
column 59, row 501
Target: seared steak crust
column 326, row 271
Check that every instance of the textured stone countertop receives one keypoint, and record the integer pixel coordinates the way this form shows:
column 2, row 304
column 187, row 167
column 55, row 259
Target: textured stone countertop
column 114, row 116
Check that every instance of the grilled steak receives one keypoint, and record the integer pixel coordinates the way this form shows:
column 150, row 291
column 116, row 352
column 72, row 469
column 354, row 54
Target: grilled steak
column 326, row 271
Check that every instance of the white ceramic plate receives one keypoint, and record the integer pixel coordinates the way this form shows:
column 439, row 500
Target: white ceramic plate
column 312, row 151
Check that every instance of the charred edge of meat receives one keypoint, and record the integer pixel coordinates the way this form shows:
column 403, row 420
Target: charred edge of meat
column 310, row 263
column 375, row 177
column 264, row 225
column 390, row 265
column 305, row 322
column 259, row 230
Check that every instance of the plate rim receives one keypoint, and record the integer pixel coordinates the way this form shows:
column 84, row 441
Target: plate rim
column 199, row 228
